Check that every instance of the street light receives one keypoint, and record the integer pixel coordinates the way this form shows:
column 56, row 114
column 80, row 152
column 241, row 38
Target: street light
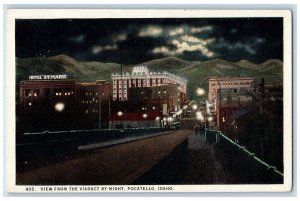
column 201, row 91
column 209, row 118
column 120, row 113
column 194, row 107
column 59, row 107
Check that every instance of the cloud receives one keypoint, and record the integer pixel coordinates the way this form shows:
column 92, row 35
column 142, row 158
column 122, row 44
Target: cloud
column 249, row 45
column 121, row 37
column 77, row 39
column 193, row 39
column 97, row 49
column 201, row 29
column 164, row 50
column 176, row 31
column 184, row 46
column 151, row 31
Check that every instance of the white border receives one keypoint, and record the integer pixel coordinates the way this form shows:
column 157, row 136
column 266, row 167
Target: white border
column 143, row 13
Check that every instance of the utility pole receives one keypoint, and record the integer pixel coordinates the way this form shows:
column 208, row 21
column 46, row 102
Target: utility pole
column 99, row 110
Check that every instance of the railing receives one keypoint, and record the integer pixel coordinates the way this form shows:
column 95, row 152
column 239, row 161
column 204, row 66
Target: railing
column 245, row 165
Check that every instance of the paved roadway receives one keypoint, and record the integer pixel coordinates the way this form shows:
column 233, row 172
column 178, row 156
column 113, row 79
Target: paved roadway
column 176, row 158
column 119, row 164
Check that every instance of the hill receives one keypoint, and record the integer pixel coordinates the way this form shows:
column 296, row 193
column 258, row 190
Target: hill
column 194, row 72
column 62, row 64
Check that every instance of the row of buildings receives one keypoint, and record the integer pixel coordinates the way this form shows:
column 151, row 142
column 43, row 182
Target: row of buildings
column 235, row 97
column 137, row 99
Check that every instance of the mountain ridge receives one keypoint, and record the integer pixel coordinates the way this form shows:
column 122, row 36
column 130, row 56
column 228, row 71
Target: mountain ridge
column 193, row 71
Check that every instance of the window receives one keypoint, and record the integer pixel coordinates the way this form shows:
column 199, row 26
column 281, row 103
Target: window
column 47, row 91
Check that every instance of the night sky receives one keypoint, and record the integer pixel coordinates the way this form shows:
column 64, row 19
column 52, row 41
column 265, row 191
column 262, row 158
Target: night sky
column 133, row 41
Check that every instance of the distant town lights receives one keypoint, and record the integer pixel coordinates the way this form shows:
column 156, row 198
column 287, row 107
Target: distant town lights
column 209, row 118
column 145, row 116
column 194, row 107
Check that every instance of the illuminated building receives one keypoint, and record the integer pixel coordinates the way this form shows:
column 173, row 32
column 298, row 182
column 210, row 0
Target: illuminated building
column 234, row 84
column 46, row 104
column 57, row 103
column 229, row 94
column 140, row 78
column 164, row 98
column 94, row 100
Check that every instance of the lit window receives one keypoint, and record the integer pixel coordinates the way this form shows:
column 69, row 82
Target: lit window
column 56, row 94
column 86, row 111
column 35, row 94
column 60, row 94
column 66, row 94
column 29, row 104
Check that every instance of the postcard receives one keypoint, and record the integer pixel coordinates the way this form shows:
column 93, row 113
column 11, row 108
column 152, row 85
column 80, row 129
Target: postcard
column 103, row 100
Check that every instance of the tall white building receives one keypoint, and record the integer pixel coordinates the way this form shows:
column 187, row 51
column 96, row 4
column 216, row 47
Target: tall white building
column 141, row 77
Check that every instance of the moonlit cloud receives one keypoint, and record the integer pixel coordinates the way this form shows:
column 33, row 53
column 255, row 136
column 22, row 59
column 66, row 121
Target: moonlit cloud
column 184, row 46
column 181, row 47
column 97, row 49
column 193, row 39
column 176, row 31
column 249, row 45
column 201, row 29
column 77, row 39
column 164, row 50
column 151, row 31
column 121, row 37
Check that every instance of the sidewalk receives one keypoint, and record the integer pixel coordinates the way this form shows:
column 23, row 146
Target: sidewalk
column 204, row 166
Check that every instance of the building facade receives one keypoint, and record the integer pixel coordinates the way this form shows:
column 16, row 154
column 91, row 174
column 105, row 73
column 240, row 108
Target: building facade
column 165, row 98
column 140, row 78
column 51, row 103
column 234, row 84
column 94, row 100
column 46, row 104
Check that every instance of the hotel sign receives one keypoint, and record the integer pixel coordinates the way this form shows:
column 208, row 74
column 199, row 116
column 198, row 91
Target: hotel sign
column 47, row 77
